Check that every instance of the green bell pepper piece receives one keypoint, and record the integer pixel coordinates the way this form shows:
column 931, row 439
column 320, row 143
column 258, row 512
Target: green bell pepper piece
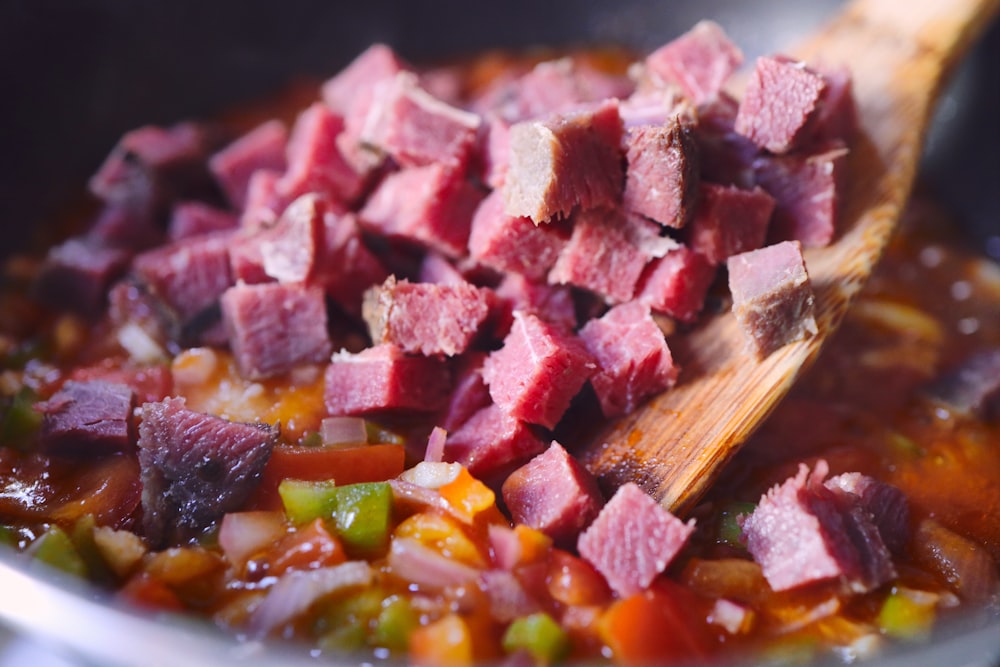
column 541, row 636
column 362, row 515
column 55, row 549
column 306, row 501
column 397, row 620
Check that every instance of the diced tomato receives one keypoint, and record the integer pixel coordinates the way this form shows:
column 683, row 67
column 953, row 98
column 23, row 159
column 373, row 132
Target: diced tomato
column 344, row 465
column 311, row 546
column 149, row 592
column 574, row 581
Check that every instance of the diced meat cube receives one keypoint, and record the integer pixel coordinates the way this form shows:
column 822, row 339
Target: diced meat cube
column 552, row 303
column 729, row 221
column 470, row 393
column 656, row 106
column 195, row 468
column 425, row 318
column 600, row 256
column 263, row 204
column 290, row 252
column 633, row 540
column 196, row 219
column 662, row 177
column 802, row 532
column 77, row 273
column 571, row 160
column 699, row 61
column 553, row 493
column 973, row 386
column 806, row 189
column 633, row 358
column 837, row 119
column 491, row 443
column 347, row 267
column 150, row 383
column 886, row 504
column 772, row 297
column 725, row 156
column 508, row 243
column 128, row 225
column 495, row 152
column 431, row 206
column 261, row 148
column 352, row 84
column 383, row 378
column 538, row 371
column 315, row 163
column 246, row 263
column 508, row 600
column 780, row 100
column 274, row 327
column 677, row 283
column 436, row 268
column 416, row 129
column 88, row 419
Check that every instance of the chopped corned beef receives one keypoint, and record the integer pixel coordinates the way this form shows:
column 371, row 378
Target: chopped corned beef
column 274, row 327
column 729, row 221
column 132, row 226
column 508, row 600
column 436, row 268
column 87, row 419
column 633, row 358
column 662, row 176
column 772, row 297
column 806, row 189
column 491, row 443
column 195, row 468
column 261, row 148
column 633, row 540
column 677, row 283
column 886, row 504
column 192, row 218
column 150, row 383
column 246, row 263
column 383, row 378
column 568, row 161
column 353, row 83
column 495, row 152
column 781, row 98
column 551, row 303
column 470, row 393
column 838, row 114
column 538, row 371
column 699, row 61
column 425, row 318
column 290, row 252
column 77, row 273
column 554, row 494
column 263, row 203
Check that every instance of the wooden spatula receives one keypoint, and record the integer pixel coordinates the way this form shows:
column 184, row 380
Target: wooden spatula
column 899, row 54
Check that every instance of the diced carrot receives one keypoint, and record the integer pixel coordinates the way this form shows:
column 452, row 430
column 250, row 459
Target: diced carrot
column 144, row 590
column 344, row 465
column 535, row 544
column 447, row 641
column 311, row 546
column 467, row 495
column 442, row 534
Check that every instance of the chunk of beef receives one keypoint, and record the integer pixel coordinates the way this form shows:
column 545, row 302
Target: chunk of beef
column 553, row 493
column 772, row 297
column 633, row 540
column 87, row 419
column 781, row 98
column 662, row 177
column 195, row 468
column 150, row 383
column 246, row 262
column 263, row 204
column 699, row 61
column 837, row 119
column 802, row 532
column 508, row 243
column 382, row 378
column 77, row 273
column 657, row 107
column 600, row 256
column 193, row 218
column 274, row 327
column 571, row 160
column 973, row 386
column 470, row 393
column 677, row 283
column 729, row 221
column 491, row 443
column 495, row 151
column 886, row 504
column 436, row 268
column 806, row 189
column 725, row 156
column 538, row 371
column 132, row 226
column 263, row 147
column 431, row 206
column 633, row 358
column 355, row 82
column 550, row 303
column 425, row 318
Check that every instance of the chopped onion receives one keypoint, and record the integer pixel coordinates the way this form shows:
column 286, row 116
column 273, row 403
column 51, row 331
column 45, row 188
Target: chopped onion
column 508, row 599
column 140, row 345
column 435, row 445
column 432, row 475
column 343, row 431
column 242, row 534
column 412, row 561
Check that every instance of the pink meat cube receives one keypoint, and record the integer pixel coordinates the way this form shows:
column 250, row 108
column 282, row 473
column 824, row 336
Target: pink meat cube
column 383, row 378
column 245, row 260
column 837, row 119
column 538, row 371
column 699, row 61
column 662, row 176
column 77, row 274
column 491, row 443
column 633, row 540
column 192, row 218
column 633, row 358
column 261, row 148
column 553, row 493
column 263, row 203
column 551, row 303
column 436, row 268
column 349, row 86
column 729, row 221
column 495, row 152
column 677, row 283
column 570, row 160
column 772, row 297
column 781, row 98
column 470, row 393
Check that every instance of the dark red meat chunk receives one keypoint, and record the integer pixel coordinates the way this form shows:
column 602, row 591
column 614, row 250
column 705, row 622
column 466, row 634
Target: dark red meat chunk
column 972, row 387
column 633, row 540
column 699, row 61
column 76, row 275
column 781, row 98
column 491, row 443
column 470, row 393
column 195, row 468
column 87, row 419
column 677, row 283
column 196, row 219
column 552, row 303
column 263, row 203
column 261, row 148
column 887, row 506
column 729, row 221
column 662, row 177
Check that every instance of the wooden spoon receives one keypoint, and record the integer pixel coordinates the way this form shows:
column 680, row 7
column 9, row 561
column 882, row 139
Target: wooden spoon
column 899, row 54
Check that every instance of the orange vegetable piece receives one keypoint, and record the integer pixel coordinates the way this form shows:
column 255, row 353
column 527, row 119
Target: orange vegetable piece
column 574, row 581
column 443, row 535
column 467, row 495
column 311, row 546
column 447, row 641
column 144, row 590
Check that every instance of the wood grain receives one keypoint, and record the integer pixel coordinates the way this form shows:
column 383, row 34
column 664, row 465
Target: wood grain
column 899, row 54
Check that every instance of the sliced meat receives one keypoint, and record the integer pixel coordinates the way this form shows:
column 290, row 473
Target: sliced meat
column 571, row 160
column 192, row 218
column 729, row 221
column 382, row 378
column 195, row 468
column 273, row 327
column 263, row 147
column 88, row 419
column 662, row 176
column 538, row 371
column 781, row 98
column 492, row 443
column 633, row 358
column 886, row 504
column 425, row 318
column 77, row 274
column 677, row 283
column 553, row 493
column 633, row 540
column 773, row 299
column 699, row 62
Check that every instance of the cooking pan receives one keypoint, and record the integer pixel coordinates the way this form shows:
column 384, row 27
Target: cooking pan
column 77, row 74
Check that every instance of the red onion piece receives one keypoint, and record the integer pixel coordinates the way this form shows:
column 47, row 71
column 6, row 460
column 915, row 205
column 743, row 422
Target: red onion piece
column 412, row 561
column 343, row 431
column 242, row 534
